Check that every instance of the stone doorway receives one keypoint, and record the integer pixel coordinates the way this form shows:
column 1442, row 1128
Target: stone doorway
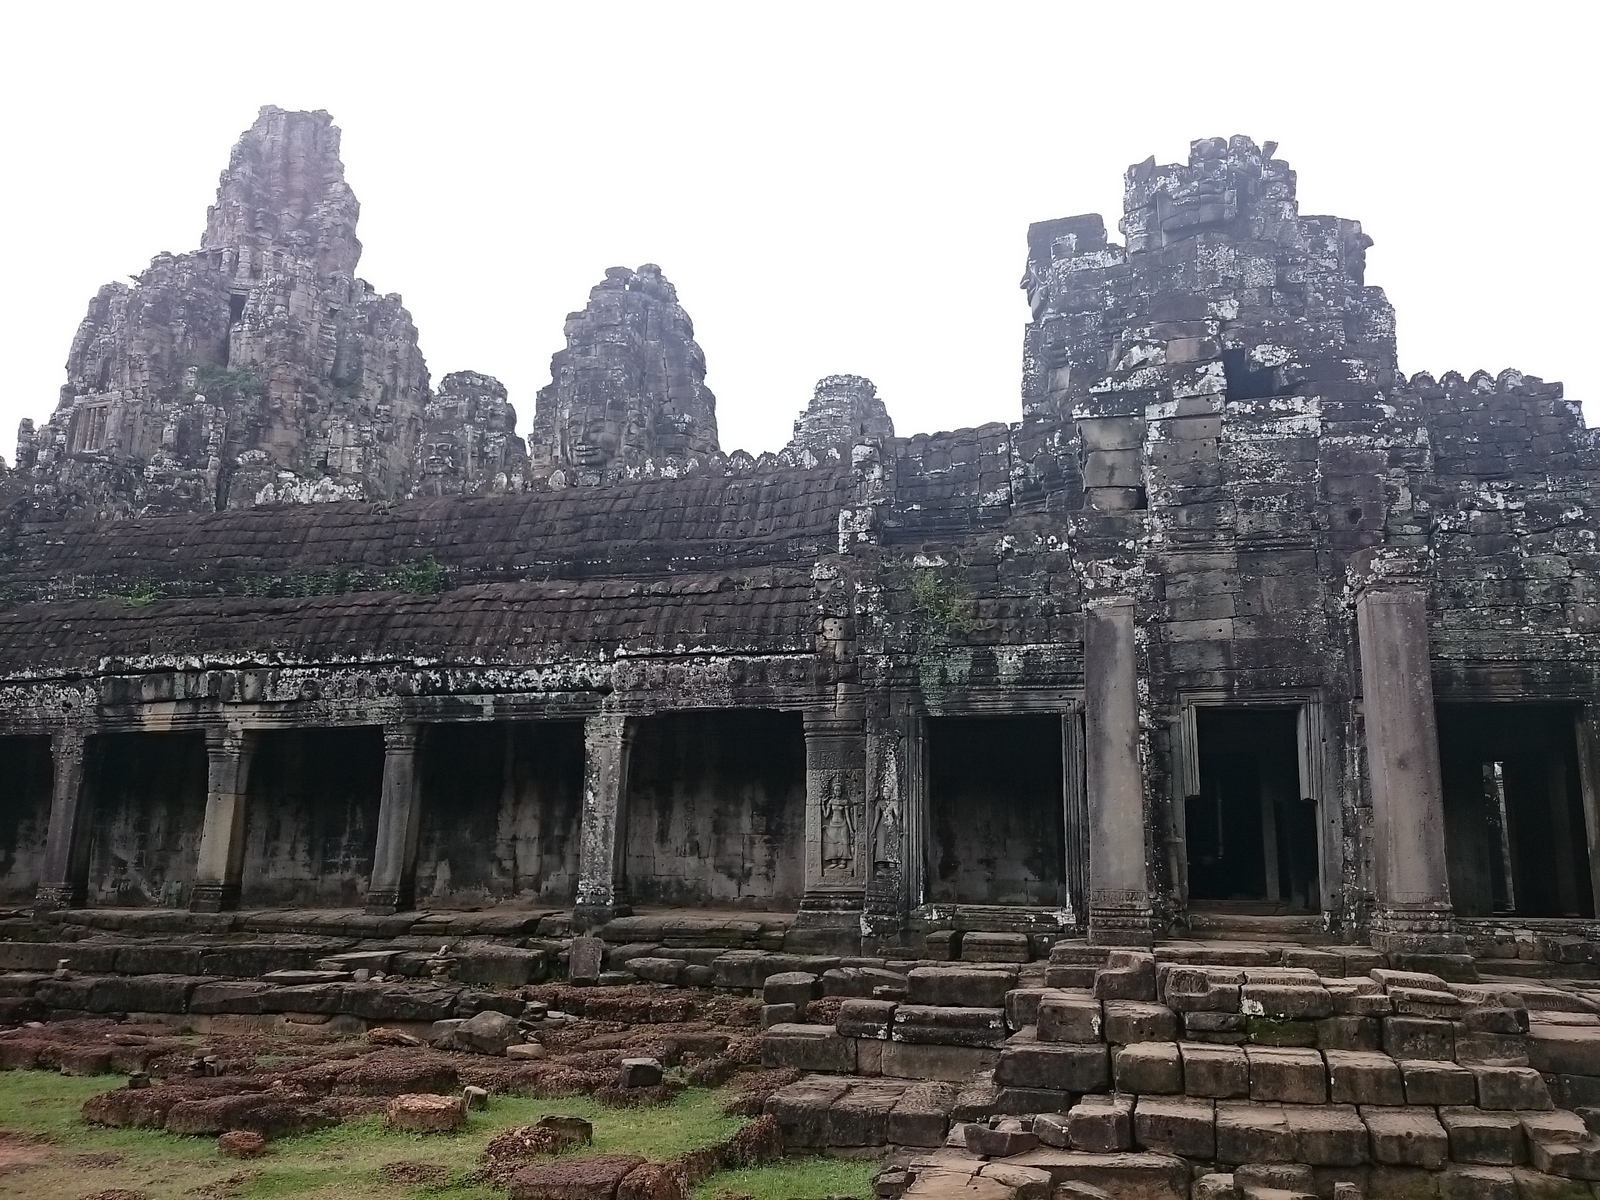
column 715, row 809
column 1514, row 811
column 995, row 788
column 147, row 801
column 1250, row 832
column 501, row 803
column 25, row 779
column 312, row 820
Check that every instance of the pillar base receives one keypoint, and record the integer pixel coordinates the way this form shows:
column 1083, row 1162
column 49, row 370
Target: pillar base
column 385, row 902
column 1121, row 923
column 214, row 897
column 53, row 897
column 592, row 916
column 1424, row 927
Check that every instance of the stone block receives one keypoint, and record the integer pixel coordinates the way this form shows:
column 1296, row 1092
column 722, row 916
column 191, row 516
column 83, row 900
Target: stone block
column 1287, row 1076
column 1069, row 1017
column 947, row 1025
column 974, row 1102
column 1327, row 1135
column 1349, row 1033
column 1062, row 1066
column 1000, row 1141
column 1400, row 1183
column 1425, row 981
column 1361, row 1004
column 1280, row 1031
column 1021, row 1101
column 1214, row 1072
column 942, row 945
column 1101, row 1124
column 959, row 987
column 1418, row 1037
column 1357, row 1077
column 1176, row 1126
column 801, row 1109
column 1127, row 1176
column 1216, row 1027
column 921, row 1116
column 1130, row 1021
column 1490, row 1049
column 808, row 1048
column 1022, row 1006
column 501, row 966
column 1197, row 989
column 1564, row 1049
column 1477, row 1183
column 631, row 1072
column 1025, row 1183
column 1053, row 1129
column 953, row 1063
column 1248, row 1132
column 1476, row 1136
column 1406, row 1137
column 861, row 1116
column 741, row 970
column 1127, row 975
column 1490, row 1017
column 585, row 958
column 1511, row 1088
column 1153, row 1067
column 791, row 987
column 1425, row 1002
column 1431, row 1082
column 228, row 996
column 1553, row 1126
column 1573, row 1160
column 865, row 1018
column 779, row 1014
column 143, row 993
column 1297, row 1002
column 996, row 948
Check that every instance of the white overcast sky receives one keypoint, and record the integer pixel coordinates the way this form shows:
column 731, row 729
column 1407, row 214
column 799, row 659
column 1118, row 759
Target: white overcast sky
column 832, row 187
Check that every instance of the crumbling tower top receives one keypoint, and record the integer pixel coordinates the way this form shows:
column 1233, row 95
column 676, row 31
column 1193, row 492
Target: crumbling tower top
column 284, row 189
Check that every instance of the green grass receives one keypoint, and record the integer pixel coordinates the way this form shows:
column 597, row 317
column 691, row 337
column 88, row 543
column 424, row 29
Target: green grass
column 344, row 1163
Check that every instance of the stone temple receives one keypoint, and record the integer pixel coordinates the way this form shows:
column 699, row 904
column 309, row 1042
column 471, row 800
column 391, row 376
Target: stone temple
column 1208, row 758
column 1237, row 628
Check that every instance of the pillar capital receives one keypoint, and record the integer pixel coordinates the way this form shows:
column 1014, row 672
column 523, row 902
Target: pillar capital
column 401, row 739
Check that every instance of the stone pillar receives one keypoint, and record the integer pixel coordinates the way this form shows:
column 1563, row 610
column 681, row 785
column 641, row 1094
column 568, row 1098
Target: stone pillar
column 836, row 849
column 1402, row 742
column 1119, row 885
column 221, row 865
column 394, row 862
column 64, row 880
column 602, row 886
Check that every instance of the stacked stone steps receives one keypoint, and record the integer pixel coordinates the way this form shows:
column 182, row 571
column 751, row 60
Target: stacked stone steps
column 1192, row 1056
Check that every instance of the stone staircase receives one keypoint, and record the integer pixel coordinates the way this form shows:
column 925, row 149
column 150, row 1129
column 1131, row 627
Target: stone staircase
column 1203, row 1071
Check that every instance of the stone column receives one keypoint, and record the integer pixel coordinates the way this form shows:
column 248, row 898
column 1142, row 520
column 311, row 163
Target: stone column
column 837, row 832
column 1402, row 742
column 64, row 880
column 1119, row 885
column 221, row 865
column 602, row 886
column 394, row 862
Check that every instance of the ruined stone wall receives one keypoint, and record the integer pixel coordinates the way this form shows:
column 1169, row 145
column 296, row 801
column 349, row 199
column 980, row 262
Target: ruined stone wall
column 469, row 440
column 500, row 812
column 25, row 772
column 313, row 817
column 148, row 792
column 716, row 809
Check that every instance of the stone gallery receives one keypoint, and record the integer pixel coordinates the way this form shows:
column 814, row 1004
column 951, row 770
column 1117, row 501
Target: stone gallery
column 1185, row 792
column 1237, row 631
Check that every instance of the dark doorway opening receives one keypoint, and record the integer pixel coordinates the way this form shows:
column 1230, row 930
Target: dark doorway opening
column 1251, row 832
column 716, row 809
column 147, row 796
column 25, row 778
column 1513, row 810
column 312, row 821
column 500, row 808
column 995, row 798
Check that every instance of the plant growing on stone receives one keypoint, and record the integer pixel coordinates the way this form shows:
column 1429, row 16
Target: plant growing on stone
column 939, row 607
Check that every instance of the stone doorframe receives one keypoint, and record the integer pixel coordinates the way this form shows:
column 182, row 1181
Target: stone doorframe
column 1586, row 722
column 1316, row 774
column 1068, row 705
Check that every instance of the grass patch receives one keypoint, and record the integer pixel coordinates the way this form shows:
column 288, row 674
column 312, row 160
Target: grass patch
column 345, row 1162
